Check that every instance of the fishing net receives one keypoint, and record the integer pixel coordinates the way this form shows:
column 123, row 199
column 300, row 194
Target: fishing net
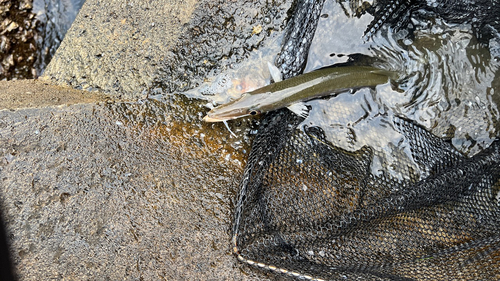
column 312, row 210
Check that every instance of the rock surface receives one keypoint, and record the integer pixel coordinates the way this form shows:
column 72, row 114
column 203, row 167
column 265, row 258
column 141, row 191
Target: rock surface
column 18, row 32
column 131, row 48
column 116, row 191
column 94, row 187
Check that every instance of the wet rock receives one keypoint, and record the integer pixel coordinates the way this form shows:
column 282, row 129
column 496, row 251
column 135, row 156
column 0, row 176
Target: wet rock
column 17, row 33
column 26, row 5
column 4, row 44
column 12, row 26
column 8, row 61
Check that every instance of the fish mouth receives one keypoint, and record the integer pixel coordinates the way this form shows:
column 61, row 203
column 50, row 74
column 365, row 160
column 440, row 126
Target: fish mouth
column 222, row 117
column 207, row 118
column 216, row 115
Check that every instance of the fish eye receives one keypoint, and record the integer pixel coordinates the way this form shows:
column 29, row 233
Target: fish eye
column 253, row 112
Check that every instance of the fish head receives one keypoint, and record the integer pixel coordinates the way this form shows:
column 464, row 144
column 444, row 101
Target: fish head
column 246, row 105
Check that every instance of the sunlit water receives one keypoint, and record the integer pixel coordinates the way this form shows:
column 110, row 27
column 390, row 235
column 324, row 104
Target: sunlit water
column 446, row 85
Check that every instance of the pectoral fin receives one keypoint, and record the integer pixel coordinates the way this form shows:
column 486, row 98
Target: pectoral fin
column 300, row 109
column 275, row 72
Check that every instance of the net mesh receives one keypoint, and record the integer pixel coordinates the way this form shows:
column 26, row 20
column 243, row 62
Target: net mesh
column 312, row 210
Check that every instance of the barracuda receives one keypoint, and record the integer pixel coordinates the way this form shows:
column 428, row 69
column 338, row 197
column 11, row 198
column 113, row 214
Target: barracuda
column 293, row 91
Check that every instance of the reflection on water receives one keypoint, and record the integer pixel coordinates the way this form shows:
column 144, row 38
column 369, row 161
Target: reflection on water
column 448, row 86
column 56, row 17
column 336, row 37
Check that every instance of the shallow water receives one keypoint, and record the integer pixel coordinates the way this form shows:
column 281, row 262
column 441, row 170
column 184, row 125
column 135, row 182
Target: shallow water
column 447, row 86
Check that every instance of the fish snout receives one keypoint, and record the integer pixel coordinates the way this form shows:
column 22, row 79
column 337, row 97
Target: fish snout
column 208, row 118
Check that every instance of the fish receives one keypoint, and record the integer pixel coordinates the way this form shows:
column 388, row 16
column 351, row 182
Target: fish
column 291, row 93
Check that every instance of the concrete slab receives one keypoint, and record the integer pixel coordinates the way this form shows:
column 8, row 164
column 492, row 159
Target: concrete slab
column 129, row 48
column 94, row 187
column 118, row 191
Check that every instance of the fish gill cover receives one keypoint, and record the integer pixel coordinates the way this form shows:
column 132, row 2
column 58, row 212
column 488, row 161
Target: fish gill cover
column 311, row 209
